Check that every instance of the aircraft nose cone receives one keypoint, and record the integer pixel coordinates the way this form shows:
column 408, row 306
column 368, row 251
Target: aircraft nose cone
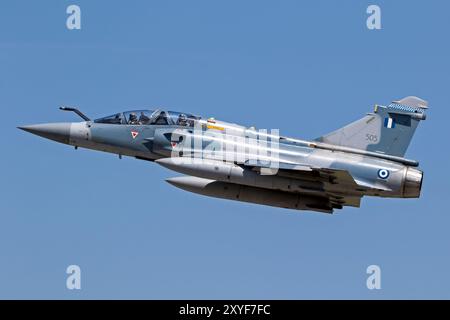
column 54, row 131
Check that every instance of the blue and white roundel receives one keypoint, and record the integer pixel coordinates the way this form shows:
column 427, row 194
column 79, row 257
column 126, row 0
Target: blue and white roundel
column 383, row 173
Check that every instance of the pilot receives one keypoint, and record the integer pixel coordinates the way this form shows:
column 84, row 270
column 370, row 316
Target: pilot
column 132, row 119
column 182, row 120
column 143, row 119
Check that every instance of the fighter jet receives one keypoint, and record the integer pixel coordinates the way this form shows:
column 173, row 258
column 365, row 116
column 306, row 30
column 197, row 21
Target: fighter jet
column 235, row 162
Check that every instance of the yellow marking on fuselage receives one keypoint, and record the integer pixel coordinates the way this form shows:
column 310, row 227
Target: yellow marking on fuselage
column 210, row 126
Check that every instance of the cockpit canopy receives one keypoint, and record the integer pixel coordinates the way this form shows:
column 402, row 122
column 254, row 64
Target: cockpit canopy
column 150, row 117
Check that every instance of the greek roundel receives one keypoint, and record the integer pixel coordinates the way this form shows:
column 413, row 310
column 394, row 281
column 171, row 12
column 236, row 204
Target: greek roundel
column 383, row 173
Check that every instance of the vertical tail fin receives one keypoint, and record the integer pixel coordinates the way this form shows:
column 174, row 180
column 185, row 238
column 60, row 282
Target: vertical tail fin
column 389, row 129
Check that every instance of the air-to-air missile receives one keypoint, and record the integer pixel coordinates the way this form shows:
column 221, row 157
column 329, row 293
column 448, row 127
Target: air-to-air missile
column 230, row 161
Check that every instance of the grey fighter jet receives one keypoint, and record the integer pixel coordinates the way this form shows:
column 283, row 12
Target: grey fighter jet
column 230, row 161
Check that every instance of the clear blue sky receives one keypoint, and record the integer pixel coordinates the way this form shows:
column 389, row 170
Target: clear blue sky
column 304, row 67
